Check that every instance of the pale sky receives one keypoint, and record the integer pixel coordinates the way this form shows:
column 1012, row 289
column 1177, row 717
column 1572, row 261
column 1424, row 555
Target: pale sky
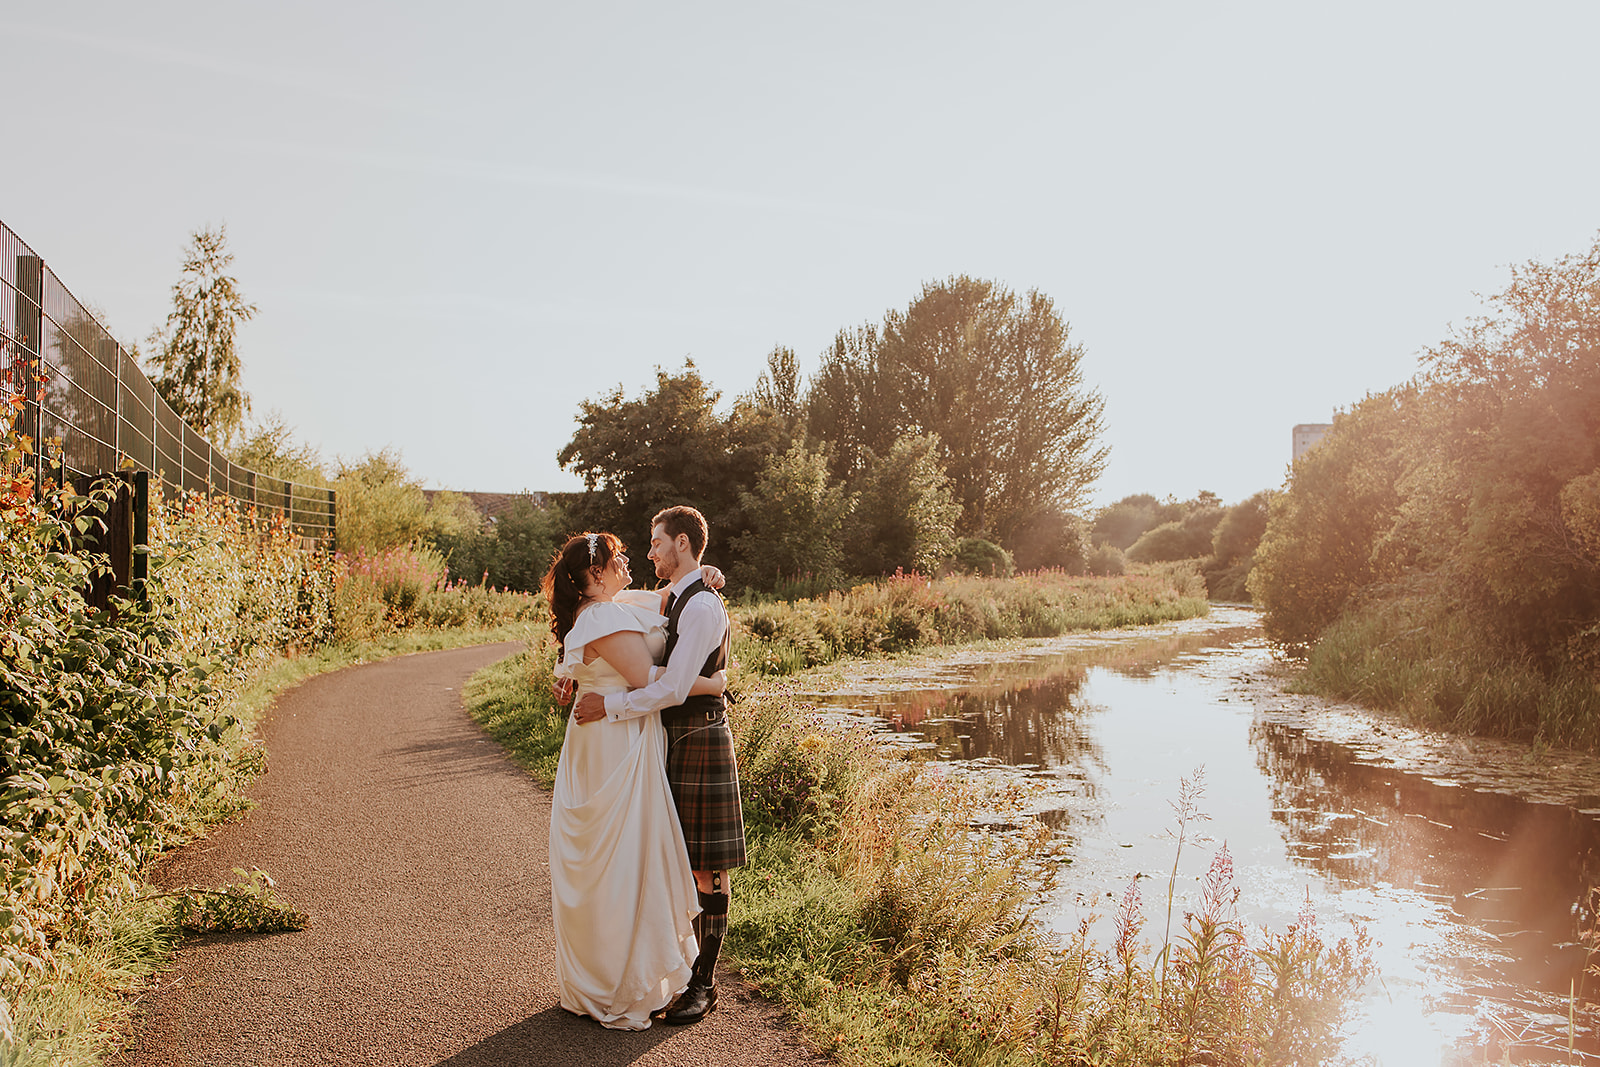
column 459, row 220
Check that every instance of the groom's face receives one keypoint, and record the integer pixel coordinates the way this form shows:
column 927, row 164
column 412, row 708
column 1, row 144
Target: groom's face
column 664, row 552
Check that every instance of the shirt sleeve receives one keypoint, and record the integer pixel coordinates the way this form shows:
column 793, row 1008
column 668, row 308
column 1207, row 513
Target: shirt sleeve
column 701, row 625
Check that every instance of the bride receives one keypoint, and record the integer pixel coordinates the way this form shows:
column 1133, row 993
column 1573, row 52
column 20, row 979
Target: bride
column 622, row 893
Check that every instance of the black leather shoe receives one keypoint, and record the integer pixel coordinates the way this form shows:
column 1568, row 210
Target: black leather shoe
column 695, row 1004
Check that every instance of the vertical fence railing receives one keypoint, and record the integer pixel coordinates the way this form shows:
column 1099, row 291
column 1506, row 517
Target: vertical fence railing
column 95, row 412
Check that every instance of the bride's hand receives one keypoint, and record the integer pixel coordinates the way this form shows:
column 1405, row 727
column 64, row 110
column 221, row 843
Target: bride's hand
column 712, row 576
column 719, row 681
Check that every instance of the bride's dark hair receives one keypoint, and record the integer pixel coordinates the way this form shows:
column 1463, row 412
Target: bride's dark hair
column 569, row 574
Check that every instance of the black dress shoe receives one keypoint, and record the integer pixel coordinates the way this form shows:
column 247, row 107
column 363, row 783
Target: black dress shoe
column 695, row 1004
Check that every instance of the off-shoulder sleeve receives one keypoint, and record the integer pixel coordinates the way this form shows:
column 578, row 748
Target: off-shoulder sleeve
column 596, row 622
column 642, row 598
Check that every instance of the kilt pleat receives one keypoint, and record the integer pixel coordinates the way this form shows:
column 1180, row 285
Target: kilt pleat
column 703, row 773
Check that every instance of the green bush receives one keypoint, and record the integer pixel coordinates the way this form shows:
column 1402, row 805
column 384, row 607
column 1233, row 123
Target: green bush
column 107, row 727
column 974, row 555
column 906, row 612
column 1106, row 560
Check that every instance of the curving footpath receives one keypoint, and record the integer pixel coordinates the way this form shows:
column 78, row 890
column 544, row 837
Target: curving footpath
column 420, row 852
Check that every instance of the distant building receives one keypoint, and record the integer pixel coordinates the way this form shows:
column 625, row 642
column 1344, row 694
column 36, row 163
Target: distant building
column 1306, row 435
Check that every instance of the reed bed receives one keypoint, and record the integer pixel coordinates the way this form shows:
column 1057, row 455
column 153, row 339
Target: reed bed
column 908, row 611
column 1417, row 656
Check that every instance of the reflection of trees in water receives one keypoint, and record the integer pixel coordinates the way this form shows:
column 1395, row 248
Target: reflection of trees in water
column 1039, row 721
column 1514, row 868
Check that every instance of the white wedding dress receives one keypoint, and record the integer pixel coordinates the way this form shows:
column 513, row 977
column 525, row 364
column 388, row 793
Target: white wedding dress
column 623, row 895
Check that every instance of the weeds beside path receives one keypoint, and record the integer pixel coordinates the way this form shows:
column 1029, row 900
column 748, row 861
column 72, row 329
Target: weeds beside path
column 419, row 850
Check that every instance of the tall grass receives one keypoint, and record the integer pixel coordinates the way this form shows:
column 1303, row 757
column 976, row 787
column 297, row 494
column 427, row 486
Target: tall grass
column 908, row 611
column 897, row 933
column 408, row 588
column 1415, row 655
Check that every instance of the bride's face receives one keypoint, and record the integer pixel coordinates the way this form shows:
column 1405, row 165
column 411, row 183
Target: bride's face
column 617, row 576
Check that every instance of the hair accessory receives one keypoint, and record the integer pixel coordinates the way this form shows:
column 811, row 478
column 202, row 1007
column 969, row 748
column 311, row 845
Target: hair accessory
column 594, row 546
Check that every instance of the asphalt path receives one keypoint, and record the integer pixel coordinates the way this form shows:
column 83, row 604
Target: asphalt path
column 420, row 853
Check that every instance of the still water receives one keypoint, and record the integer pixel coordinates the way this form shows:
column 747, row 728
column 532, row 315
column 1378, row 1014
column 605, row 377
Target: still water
column 1468, row 863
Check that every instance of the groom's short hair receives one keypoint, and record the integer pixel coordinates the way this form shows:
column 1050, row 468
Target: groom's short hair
column 685, row 520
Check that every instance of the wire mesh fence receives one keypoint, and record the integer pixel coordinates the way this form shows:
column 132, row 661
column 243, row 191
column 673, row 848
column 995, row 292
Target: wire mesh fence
column 91, row 410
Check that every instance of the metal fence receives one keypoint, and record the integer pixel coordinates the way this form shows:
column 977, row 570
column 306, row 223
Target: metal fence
column 95, row 412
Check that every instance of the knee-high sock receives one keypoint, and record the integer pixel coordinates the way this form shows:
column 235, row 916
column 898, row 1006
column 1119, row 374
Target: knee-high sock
column 710, row 926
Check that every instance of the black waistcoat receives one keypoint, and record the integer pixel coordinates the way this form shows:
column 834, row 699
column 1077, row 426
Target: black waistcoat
column 718, row 660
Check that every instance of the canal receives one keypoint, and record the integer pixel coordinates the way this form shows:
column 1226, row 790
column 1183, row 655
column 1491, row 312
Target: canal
column 1470, row 862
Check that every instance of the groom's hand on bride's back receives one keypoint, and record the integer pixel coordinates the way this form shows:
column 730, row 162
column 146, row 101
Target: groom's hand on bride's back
column 592, row 708
column 561, row 689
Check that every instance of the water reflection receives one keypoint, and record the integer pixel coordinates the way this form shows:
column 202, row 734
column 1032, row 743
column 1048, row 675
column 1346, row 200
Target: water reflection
column 1476, row 895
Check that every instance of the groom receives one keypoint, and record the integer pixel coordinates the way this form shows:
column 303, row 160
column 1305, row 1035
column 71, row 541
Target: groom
column 700, row 761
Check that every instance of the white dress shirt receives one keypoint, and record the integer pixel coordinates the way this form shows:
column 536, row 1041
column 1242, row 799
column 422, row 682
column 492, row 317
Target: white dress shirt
column 701, row 626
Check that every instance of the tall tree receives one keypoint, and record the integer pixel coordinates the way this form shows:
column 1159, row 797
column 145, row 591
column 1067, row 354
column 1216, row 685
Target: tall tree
column 850, row 405
column 195, row 355
column 797, row 514
column 778, row 388
column 993, row 375
column 905, row 515
column 638, row 456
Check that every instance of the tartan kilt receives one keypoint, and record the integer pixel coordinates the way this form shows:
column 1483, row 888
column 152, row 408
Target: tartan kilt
column 704, row 776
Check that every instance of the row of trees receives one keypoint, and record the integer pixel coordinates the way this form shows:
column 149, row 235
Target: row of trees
column 957, row 432
column 962, row 419
column 1146, row 530
column 1468, row 497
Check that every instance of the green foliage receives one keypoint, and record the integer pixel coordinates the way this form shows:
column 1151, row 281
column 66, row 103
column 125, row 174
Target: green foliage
column 1467, row 498
column 1124, row 522
column 669, row 447
column 1105, row 560
column 905, row 516
column 974, row 555
column 1233, row 549
column 1326, row 534
column 381, row 505
column 238, row 584
column 511, row 553
column 105, row 727
column 908, row 611
column 1052, row 539
column 993, row 375
column 795, row 516
column 1186, row 538
column 270, row 448
column 408, row 588
column 778, row 390
column 250, row 906
column 196, row 362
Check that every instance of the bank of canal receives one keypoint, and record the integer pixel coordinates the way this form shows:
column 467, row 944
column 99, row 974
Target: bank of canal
column 1470, row 861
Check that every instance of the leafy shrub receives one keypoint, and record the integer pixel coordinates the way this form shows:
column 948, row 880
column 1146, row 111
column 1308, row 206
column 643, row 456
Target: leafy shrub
column 1051, row 540
column 1187, row 538
column 908, row 611
column 974, row 555
column 107, row 727
column 1106, row 560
